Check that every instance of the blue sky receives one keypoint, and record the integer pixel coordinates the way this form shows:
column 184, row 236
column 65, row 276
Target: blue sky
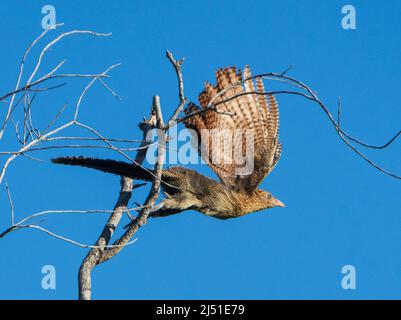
column 339, row 210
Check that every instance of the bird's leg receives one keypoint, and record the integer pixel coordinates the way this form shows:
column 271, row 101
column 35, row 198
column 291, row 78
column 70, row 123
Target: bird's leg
column 157, row 211
column 156, row 208
column 176, row 203
column 173, row 204
column 161, row 210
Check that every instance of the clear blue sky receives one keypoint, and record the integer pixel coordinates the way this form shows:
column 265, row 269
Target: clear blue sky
column 339, row 210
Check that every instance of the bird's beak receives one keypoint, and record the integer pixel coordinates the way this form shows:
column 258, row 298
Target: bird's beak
column 278, row 203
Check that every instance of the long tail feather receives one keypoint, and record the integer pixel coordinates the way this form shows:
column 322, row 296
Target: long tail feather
column 106, row 165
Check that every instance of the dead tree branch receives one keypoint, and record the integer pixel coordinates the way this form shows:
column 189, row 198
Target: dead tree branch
column 100, row 255
column 33, row 139
column 309, row 94
column 181, row 96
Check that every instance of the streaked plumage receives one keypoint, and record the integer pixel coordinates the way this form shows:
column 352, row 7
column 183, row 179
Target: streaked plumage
column 250, row 112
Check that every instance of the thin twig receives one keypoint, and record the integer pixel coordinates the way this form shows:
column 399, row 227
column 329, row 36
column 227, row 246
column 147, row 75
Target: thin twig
column 22, row 65
column 181, row 96
column 10, row 200
column 310, row 95
column 79, row 244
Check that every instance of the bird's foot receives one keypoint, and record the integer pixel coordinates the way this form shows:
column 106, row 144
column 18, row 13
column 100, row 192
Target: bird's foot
column 154, row 212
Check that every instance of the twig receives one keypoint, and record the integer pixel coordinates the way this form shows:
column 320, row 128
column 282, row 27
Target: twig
column 10, row 106
column 108, row 88
column 29, row 84
column 50, row 44
column 10, row 200
column 310, row 95
column 79, row 244
column 88, row 86
column 177, row 67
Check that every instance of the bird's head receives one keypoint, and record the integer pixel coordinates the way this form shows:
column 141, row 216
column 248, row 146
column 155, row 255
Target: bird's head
column 269, row 200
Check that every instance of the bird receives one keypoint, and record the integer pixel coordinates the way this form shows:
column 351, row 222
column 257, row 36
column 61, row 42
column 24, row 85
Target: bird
column 236, row 103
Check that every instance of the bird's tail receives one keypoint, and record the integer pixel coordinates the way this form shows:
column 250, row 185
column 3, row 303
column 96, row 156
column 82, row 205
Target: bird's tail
column 110, row 166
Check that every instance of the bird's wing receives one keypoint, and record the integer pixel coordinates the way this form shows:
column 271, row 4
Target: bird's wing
column 243, row 124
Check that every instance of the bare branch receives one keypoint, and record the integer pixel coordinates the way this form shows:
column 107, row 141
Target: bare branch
column 177, row 67
column 50, row 44
column 42, row 138
column 108, row 88
column 79, row 244
column 88, row 86
column 11, row 203
column 310, row 95
column 30, row 82
column 22, row 65
column 201, row 111
column 152, row 196
column 94, row 256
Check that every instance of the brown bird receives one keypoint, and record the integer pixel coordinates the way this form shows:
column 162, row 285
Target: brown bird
column 249, row 119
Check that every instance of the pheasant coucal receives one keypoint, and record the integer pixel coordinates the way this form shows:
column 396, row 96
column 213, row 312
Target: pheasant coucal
column 240, row 109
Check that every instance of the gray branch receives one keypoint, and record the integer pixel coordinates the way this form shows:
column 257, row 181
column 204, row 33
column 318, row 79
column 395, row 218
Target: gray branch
column 103, row 253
